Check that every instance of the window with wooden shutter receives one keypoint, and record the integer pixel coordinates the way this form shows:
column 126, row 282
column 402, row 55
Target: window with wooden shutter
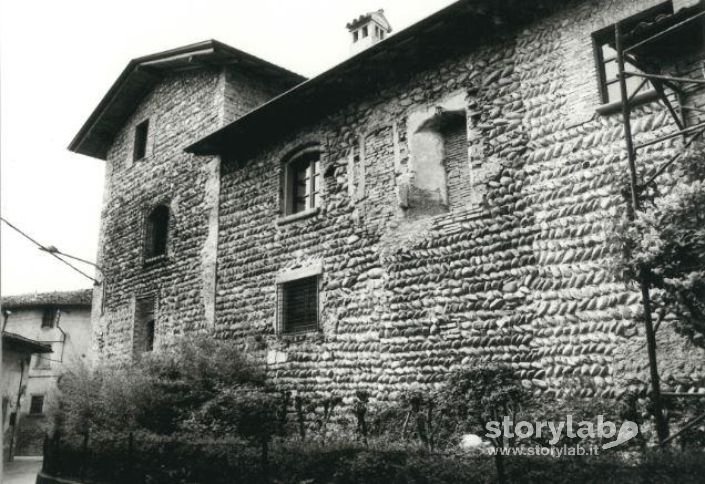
column 298, row 305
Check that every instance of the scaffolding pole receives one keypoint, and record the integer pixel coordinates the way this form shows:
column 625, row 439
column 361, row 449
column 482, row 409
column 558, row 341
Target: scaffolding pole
column 661, row 423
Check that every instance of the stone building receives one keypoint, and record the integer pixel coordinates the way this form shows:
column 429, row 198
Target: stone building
column 444, row 196
column 17, row 353
column 60, row 321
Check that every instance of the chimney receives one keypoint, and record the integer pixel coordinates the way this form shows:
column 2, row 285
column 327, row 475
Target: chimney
column 367, row 30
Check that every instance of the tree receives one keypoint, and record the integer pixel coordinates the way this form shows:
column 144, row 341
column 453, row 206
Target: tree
column 665, row 244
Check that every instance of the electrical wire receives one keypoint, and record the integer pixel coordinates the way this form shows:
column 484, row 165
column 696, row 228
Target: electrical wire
column 48, row 250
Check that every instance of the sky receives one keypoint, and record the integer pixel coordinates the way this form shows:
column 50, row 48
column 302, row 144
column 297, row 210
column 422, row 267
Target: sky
column 58, row 59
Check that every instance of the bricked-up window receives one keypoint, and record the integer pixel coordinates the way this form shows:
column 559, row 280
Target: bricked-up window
column 157, row 232
column 454, row 130
column 144, row 330
column 48, row 317
column 606, row 56
column 36, row 405
column 440, row 164
column 298, row 305
column 303, row 182
column 140, row 146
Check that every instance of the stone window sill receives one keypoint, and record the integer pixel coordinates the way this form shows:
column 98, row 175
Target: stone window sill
column 304, row 335
column 616, row 107
column 298, row 216
column 156, row 260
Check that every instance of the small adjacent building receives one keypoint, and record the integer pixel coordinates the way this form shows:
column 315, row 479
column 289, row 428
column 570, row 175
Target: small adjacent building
column 17, row 353
column 59, row 325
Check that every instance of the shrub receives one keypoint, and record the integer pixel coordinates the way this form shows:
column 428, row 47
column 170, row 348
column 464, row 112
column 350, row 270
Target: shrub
column 473, row 397
column 161, row 392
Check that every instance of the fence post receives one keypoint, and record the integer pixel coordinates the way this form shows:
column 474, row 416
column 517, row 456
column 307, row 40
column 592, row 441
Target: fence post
column 130, row 450
column 45, row 453
column 84, row 456
column 56, row 459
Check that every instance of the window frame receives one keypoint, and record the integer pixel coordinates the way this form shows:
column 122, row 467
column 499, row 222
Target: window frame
column 49, row 317
column 150, row 234
column 603, row 36
column 32, row 407
column 145, row 306
column 315, row 179
column 283, row 316
column 140, row 140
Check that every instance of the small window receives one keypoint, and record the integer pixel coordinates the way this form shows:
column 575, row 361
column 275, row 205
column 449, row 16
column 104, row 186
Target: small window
column 144, row 325
column 157, row 232
column 36, row 406
column 606, row 57
column 42, row 362
column 303, row 182
column 141, row 132
column 149, row 335
column 364, row 31
column 609, row 81
column 298, row 305
column 48, row 317
column 356, row 35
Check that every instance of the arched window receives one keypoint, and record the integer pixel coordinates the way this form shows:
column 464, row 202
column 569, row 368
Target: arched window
column 302, row 181
column 157, row 232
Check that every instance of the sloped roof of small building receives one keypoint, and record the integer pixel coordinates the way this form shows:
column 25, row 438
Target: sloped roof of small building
column 455, row 27
column 25, row 345
column 81, row 297
column 142, row 74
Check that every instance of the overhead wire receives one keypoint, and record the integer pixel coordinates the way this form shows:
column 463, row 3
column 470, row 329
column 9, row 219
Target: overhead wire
column 50, row 250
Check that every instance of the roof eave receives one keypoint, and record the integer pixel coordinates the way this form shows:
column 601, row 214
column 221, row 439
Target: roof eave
column 85, row 141
column 215, row 142
column 25, row 344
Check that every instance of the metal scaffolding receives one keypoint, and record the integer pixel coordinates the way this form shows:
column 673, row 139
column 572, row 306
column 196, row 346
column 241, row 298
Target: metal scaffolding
column 633, row 47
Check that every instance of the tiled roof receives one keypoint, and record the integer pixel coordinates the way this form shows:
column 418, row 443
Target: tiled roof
column 458, row 24
column 81, row 297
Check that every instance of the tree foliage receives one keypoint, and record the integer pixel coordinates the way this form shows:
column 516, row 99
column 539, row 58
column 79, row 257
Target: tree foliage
column 200, row 383
column 665, row 244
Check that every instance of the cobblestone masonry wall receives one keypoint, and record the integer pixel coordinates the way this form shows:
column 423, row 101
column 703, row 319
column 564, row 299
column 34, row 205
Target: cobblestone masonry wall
column 181, row 109
column 521, row 275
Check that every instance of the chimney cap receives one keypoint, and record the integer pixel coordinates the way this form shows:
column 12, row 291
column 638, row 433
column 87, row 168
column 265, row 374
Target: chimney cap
column 377, row 16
